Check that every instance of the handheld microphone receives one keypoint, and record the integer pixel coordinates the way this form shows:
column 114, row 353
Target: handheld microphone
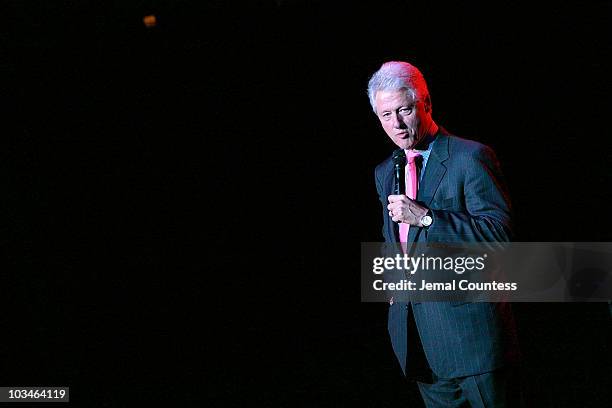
column 399, row 164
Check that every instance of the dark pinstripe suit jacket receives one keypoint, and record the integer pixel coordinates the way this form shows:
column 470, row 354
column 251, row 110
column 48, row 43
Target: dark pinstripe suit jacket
column 462, row 185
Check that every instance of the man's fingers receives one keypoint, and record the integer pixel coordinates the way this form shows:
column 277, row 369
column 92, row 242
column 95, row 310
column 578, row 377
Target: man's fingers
column 396, row 205
column 396, row 198
column 397, row 214
column 398, row 218
column 397, row 201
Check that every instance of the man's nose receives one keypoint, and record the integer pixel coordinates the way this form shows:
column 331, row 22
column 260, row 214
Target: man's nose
column 398, row 123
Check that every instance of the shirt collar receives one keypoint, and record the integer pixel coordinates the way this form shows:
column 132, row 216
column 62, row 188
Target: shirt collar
column 427, row 151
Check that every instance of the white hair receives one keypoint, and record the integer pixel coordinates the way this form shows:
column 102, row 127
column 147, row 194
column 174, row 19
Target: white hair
column 396, row 76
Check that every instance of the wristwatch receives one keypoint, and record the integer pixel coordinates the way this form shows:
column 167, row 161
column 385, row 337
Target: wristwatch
column 426, row 220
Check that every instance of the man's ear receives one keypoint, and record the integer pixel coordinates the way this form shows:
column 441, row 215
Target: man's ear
column 427, row 103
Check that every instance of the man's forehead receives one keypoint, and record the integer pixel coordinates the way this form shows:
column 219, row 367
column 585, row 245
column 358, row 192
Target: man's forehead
column 402, row 95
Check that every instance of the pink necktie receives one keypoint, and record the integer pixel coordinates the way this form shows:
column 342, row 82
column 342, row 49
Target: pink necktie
column 412, row 186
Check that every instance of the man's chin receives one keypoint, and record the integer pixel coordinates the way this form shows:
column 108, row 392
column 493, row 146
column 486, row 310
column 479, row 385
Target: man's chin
column 405, row 144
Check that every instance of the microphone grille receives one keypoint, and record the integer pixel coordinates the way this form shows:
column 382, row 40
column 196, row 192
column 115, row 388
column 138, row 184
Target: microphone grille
column 399, row 157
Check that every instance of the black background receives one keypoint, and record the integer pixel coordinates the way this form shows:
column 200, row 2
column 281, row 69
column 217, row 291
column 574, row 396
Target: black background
column 184, row 204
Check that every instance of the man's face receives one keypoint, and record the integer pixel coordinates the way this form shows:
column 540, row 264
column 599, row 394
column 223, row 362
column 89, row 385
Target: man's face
column 405, row 120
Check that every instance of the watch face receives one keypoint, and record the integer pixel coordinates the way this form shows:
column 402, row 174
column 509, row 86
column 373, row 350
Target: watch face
column 426, row 220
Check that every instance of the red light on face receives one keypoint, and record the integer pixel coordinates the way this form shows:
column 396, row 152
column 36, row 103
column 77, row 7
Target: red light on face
column 149, row 21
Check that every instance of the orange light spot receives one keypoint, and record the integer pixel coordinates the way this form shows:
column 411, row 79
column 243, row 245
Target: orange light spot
column 150, row 20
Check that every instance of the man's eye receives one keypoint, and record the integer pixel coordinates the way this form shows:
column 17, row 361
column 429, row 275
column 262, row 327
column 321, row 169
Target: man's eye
column 407, row 111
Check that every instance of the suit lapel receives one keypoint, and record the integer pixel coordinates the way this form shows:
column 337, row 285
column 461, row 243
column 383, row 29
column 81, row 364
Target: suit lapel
column 434, row 173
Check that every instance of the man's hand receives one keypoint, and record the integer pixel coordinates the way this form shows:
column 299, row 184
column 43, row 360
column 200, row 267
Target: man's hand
column 403, row 209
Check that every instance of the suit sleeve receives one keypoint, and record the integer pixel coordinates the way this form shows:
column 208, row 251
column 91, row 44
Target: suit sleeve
column 485, row 207
column 383, row 201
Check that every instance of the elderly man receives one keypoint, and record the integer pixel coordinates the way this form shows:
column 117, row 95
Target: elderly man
column 460, row 353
